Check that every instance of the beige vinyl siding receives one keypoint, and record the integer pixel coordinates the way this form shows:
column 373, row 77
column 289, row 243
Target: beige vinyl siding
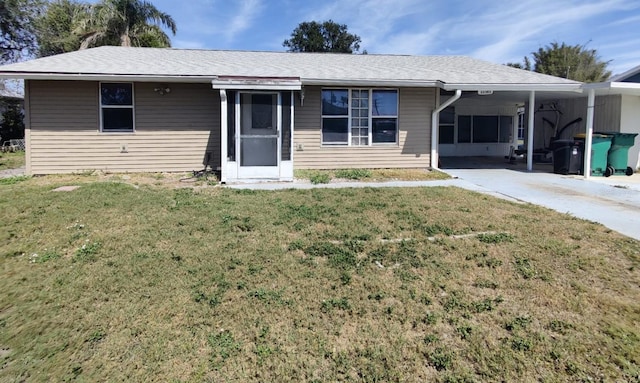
column 177, row 131
column 412, row 151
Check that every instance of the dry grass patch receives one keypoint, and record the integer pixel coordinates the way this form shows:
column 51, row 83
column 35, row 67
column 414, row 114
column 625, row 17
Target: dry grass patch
column 139, row 282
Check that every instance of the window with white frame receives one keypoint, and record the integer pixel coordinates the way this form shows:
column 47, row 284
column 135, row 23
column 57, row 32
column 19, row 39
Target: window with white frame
column 359, row 117
column 116, row 107
column 447, row 125
column 485, row 129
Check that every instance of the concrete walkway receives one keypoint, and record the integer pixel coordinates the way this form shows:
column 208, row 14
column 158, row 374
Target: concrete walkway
column 12, row 172
column 614, row 201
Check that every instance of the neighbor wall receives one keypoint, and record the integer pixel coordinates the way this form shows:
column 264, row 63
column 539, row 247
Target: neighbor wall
column 630, row 123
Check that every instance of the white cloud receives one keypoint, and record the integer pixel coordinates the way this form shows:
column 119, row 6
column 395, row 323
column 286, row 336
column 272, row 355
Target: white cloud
column 210, row 21
column 489, row 29
column 381, row 24
column 243, row 19
column 519, row 25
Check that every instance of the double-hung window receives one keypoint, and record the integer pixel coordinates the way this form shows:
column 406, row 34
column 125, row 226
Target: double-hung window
column 359, row 117
column 116, row 107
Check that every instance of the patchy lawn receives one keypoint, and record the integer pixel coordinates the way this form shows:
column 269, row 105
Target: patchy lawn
column 11, row 160
column 369, row 175
column 136, row 282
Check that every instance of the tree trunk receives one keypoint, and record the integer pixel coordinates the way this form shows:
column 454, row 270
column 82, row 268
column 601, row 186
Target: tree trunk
column 125, row 39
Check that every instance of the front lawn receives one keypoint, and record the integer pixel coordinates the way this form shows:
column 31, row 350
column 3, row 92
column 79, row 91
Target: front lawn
column 116, row 281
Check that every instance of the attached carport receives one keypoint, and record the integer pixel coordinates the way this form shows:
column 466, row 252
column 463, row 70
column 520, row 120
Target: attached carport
column 612, row 106
column 495, row 99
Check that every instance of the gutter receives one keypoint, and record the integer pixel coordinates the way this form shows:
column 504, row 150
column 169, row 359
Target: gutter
column 373, row 83
column 516, row 87
column 434, row 127
column 106, row 78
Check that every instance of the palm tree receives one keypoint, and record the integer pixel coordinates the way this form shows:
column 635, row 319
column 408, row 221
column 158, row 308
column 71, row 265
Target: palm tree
column 58, row 27
column 126, row 23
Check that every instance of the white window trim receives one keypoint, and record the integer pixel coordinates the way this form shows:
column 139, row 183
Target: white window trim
column 370, row 119
column 472, row 127
column 347, row 116
column 453, row 125
column 132, row 107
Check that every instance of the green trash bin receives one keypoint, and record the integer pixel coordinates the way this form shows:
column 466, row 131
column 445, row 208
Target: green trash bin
column 619, row 153
column 600, row 144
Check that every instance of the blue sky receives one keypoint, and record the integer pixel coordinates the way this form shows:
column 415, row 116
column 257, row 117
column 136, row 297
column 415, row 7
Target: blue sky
column 493, row 30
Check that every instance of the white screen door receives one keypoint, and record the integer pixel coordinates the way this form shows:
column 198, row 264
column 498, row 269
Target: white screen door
column 259, row 132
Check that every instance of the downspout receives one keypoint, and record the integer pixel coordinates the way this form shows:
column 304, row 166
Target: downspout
column 589, row 133
column 223, row 136
column 434, row 127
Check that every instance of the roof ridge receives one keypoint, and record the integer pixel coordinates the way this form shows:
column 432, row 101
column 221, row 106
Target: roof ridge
column 274, row 52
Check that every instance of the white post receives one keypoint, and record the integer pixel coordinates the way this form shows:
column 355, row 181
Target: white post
column 223, row 135
column 435, row 129
column 591, row 100
column 532, row 111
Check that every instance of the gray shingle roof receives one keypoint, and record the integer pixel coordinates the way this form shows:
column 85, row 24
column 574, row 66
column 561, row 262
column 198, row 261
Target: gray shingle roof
column 310, row 68
column 626, row 75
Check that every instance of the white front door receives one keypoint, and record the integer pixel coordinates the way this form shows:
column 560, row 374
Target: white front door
column 258, row 126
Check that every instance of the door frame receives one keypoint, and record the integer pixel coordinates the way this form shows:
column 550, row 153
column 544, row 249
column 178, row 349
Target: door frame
column 228, row 161
column 258, row 172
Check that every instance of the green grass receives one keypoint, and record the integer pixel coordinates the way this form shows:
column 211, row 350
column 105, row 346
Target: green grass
column 369, row 175
column 11, row 160
column 121, row 282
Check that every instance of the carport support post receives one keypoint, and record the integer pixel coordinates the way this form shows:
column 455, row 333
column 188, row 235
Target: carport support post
column 532, row 111
column 591, row 100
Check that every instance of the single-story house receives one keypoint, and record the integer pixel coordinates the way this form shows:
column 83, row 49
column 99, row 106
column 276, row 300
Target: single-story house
column 260, row 115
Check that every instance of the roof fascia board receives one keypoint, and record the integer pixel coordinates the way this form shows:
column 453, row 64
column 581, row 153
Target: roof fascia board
column 612, row 85
column 611, row 88
column 375, row 83
column 516, row 87
column 243, row 83
column 103, row 77
column 622, row 76
column 296, row 84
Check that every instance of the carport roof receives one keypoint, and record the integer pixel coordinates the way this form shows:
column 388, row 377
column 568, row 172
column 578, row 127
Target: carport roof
column 188, row 65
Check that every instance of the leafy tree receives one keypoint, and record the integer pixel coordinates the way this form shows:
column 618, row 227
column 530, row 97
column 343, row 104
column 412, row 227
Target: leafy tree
column 16, row 28
column 58, row 28
column 571, row 61
column 126, row 23
column 11, row 121
column 575, row 62
column 326, row 37
column 526, row 65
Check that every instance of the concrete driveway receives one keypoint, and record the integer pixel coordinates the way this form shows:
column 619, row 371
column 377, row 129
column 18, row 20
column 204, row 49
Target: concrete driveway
column 612, row 201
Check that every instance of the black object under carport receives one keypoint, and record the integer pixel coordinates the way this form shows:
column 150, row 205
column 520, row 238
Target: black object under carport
column 567, row 156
